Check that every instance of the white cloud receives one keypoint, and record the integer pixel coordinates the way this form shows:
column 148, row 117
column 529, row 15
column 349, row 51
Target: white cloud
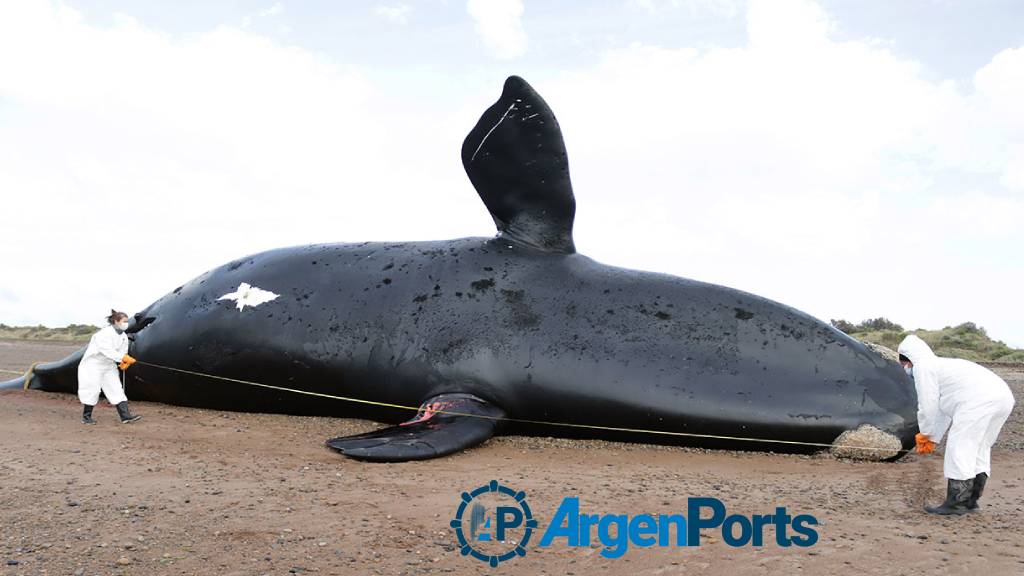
column 132, row 160
column 832, row 176
column 396, row 13
column 726, row 8
column 274, row 10
column 1000, row 90
column 811, row 171
column 500, row 24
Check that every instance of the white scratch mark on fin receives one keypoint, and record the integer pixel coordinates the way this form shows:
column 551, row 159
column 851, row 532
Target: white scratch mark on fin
column 486, row 136
column 247, row 295
column 532, row 115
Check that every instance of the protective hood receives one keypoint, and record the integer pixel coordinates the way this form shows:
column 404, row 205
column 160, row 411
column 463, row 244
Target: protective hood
column 916, row 349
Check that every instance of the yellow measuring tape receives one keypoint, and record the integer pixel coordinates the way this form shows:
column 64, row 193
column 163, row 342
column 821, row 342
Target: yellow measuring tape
column 507, row 419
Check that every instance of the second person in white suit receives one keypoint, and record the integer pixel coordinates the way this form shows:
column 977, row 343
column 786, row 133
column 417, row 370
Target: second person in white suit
column 973, row 403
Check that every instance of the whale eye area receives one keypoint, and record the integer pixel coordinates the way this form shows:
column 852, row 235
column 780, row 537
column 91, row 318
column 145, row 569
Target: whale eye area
column 140, row 323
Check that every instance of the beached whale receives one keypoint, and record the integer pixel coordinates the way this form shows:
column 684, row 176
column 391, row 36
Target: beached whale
column 518, row 326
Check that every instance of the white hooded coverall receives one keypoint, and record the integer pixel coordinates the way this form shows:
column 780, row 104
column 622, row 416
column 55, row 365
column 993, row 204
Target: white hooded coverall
column 98, row 368
column 973, row 398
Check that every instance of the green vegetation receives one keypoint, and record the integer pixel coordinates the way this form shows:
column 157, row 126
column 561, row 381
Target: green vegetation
column 74, row 332
column 964, row 341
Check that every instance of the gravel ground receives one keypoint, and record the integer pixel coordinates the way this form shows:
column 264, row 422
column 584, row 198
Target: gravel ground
column 1012, row 437
column 189, row 491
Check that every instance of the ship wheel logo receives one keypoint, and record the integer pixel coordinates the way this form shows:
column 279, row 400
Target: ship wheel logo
column 493, row 523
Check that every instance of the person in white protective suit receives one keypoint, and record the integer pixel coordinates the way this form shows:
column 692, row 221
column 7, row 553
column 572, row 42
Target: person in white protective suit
column 107, row 352
column 970, row 400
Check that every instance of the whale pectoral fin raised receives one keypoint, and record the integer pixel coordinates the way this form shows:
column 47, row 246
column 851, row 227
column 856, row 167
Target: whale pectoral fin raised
column 445, row 424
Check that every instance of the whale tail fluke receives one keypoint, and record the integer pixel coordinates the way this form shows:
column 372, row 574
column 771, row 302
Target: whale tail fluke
column 58, row 376
column 445, row 424
column 16, row 383
column 516, row 160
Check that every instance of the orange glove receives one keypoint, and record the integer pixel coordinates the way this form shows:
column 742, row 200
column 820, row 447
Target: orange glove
column 924, row 444
column 126, row 362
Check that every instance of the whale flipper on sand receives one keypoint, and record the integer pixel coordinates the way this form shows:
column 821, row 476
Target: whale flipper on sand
column 445, row 424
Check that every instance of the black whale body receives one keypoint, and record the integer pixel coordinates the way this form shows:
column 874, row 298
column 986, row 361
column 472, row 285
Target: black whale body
column 518, row 326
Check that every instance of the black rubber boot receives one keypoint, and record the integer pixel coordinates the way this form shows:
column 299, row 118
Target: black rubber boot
column 979, row 487
column 958, row 494
column 125, row 414
column 87, row 415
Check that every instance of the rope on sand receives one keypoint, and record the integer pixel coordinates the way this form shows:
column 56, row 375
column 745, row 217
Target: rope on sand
column 515, row 420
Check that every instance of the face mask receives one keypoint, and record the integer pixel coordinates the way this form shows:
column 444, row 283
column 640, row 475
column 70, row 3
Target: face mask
column 121, row 327
column 909, row 371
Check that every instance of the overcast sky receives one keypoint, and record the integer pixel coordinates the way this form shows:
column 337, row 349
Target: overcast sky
column 850, row 158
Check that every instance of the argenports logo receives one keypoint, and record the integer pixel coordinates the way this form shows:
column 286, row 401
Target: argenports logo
column 499, row 525
column 499, row 522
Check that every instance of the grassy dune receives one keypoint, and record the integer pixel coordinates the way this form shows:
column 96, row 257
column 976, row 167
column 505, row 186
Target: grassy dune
column 72, row 332
column 964, row 341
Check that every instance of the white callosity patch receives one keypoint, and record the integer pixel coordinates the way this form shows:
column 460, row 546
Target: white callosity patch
column 866, row 443
column 247, row 295
column 887, row 353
